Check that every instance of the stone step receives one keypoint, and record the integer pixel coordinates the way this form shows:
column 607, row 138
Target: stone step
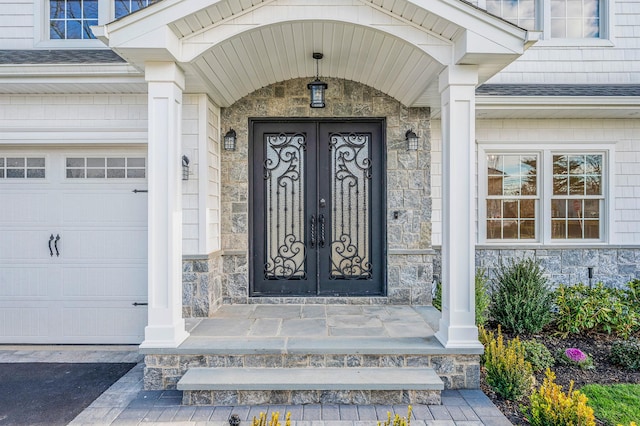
column 251, row 386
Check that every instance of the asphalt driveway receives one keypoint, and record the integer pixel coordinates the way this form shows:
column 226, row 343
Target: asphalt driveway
column 52, row 393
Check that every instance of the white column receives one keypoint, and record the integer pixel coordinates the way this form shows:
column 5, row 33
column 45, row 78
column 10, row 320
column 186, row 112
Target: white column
column 166, row 327
column 457, row 91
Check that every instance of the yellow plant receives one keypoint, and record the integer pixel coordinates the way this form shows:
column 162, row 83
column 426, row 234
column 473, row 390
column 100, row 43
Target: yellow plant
column 275, row 420
column 630, row 424
column 552, row 407
column 397, row 420
column 507, row 372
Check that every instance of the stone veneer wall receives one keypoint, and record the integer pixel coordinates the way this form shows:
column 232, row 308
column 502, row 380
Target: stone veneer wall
column 456, row 371
column 409, row 258
column 201, row 285
column 613, row 266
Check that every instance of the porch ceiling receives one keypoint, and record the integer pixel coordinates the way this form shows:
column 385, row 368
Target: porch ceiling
column 230, row 48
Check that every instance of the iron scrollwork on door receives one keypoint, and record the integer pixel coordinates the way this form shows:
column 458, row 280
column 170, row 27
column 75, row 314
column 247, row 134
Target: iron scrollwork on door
column 284, row 205
column 351, row 200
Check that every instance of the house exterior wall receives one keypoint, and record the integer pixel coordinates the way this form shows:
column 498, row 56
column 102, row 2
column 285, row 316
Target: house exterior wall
column 617, row 259
column 610, row 60
column 16, row 24
column 409, row 236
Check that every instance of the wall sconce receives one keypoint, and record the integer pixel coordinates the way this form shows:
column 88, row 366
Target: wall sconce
column 412, row 140
column 317, row 87
column 230, row 140
column 185, row 167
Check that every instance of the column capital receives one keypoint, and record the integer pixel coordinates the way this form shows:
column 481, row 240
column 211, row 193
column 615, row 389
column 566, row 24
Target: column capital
column 164, row 72
column 458, row 75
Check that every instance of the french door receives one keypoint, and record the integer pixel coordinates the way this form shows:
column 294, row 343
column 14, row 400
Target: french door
column 317, row 192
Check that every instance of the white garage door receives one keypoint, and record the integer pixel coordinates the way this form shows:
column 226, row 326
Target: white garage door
column 73, row 251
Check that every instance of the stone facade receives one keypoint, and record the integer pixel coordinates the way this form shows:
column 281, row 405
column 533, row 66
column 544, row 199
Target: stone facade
column 456, row 371
column 201, row 285
column 613, row 266
column 408, row 187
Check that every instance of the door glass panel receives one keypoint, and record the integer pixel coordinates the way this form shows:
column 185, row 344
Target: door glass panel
column 350, row 188
column 284, row 206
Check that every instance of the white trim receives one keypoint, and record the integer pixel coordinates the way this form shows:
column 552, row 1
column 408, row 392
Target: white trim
column 545, row 186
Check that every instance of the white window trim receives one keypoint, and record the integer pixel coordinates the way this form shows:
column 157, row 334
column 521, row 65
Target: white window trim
column 545, row 186
column 41, row 27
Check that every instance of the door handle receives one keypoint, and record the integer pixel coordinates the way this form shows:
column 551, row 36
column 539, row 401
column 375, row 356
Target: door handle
column 321, row 220
column 312, row 243
column 50, row 249
column 55, row 244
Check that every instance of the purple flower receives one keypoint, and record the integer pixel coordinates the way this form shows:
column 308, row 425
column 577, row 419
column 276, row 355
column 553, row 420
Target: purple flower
column 575, row 355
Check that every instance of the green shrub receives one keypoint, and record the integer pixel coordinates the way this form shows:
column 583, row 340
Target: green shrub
column 626, row 353
column 507, row 372
column 521, row 299
column 482, row 297
column 583, row 309
column 552, row 407
column 538, row 355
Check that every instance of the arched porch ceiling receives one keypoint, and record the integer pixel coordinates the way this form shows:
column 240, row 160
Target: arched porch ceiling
column 229, row 48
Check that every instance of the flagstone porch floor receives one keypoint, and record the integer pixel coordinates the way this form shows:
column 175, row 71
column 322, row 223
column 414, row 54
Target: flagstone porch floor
column 338, row 329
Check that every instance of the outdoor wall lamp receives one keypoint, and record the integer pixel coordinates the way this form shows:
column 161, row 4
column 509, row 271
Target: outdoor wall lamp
column 317, row 87
column 412, row 140
column 185, row 167
column 230, row 140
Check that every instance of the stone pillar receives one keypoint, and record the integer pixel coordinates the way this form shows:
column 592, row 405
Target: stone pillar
column 166, row 327
column 457, row 91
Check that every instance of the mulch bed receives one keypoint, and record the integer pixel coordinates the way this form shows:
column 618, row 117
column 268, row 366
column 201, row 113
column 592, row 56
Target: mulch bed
column 597, row 346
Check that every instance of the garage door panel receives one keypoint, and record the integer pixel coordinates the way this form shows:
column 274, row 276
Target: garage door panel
column 30, row 283
column 106, row 283
column 113, row 322
column 21, row 324
column 26, row 207
column 105, row 245
column 25, row 245
column 104, row 208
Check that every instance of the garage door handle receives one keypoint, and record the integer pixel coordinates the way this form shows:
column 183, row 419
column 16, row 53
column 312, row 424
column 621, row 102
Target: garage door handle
column 55, row 244
column 139, row 304
column 50, row 249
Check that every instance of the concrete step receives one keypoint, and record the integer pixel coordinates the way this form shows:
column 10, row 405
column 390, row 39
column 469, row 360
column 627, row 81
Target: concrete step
column 251, row 386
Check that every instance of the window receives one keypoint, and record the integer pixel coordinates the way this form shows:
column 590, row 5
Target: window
column 72, row 19
column 512, row 193
column 125, row 7
column 577, row 197
column 520, row 12
column 542, row 196
column 22, row 168
column 105, row 168
column 575, row 18
column 557, row 19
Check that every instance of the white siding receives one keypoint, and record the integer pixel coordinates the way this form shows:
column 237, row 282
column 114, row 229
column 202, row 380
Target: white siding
column 45, row 116
column 16, row 24
column 557, row 64
column 624, row 133
column 213, row 192
column 190, row 222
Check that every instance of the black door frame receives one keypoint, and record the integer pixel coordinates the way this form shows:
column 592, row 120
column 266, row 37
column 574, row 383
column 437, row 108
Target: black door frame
column 378, row 225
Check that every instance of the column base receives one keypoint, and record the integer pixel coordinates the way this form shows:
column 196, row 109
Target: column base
column 458, row 337
column 164, row 336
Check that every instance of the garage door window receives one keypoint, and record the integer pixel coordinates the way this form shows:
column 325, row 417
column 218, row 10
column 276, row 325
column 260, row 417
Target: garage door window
column 22, row 168
column 106, row 168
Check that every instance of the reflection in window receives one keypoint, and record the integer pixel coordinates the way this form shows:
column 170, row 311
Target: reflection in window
column 520, row 12
column 577, row 196
column 105, row 168
column 125, row 7
column 512, row 189
column 575, row 18
column 22, row 168
column 71, row 19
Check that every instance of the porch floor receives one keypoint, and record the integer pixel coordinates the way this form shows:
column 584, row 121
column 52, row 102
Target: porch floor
column 309, row 329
